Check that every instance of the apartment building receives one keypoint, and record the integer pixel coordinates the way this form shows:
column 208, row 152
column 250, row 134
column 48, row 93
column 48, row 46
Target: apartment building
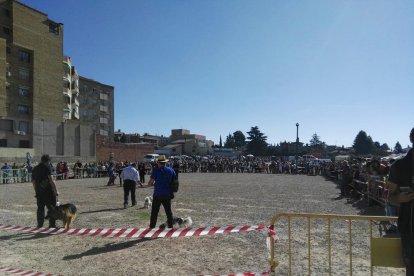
column 97, row 106
column 35, row 116
column 31, row 62
column 70, row 90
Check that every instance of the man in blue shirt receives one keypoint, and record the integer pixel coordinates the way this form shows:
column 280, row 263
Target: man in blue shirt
column 161, row 177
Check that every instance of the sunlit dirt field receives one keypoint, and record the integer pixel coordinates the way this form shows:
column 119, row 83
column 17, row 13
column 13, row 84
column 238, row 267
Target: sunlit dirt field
column 211, row 200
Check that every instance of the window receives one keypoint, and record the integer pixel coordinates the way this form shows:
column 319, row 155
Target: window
column 24, row 74
column 3, row 143
column 24, row 144
column 23, row 109
column 24, row 126
column 24, row 56
column 103, row 132
column 85, row 88
column 54, row 28
column 6, row 125
column 6, row 30
column 24, row 91
column 5, row 12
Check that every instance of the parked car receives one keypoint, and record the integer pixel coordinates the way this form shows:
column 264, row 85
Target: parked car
column 149, row 158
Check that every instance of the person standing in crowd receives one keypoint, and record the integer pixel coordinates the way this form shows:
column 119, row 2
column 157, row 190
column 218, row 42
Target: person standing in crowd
column 346, row 178
column 401, row 192
column 111, row 175
column 6, row 169
column 118, row 169
column 45, row 189
column 130, row 175
column 141, row 169
column 161, row 177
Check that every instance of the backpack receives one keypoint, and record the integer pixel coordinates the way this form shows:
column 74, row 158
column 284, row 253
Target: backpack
column 173, row 184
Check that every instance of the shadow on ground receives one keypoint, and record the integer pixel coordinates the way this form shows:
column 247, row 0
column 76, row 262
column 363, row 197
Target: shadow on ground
column 110, row 247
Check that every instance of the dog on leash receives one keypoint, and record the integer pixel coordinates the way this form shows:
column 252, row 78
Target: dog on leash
column 148, row 202
column 65, row 213
column 179, row 222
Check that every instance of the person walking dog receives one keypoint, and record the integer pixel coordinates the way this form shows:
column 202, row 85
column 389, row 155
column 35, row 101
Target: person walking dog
column 161, row 177
column 45, row 189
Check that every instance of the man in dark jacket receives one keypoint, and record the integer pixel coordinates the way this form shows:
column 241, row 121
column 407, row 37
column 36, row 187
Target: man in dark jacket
column 45, row 189
column 401, row 183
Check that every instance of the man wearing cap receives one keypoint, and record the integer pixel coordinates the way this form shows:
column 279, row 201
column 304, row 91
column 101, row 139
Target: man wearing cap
column 401, row 193
column 161, row 177
column 130, row 175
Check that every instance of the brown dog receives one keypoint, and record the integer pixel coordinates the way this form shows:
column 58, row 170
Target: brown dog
column 65, row 213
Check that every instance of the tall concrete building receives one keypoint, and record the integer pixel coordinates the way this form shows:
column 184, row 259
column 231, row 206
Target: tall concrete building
column 97, row 106
column 70, row 90
column 35, row 116
column 31, row 55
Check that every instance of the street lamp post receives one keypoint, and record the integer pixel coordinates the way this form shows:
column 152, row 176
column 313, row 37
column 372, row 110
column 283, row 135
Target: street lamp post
column 297, row 142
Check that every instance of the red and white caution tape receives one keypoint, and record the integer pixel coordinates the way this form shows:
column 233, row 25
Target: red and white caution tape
column 137, row 232
column 22, row 272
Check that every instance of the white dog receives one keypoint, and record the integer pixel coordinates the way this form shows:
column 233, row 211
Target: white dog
column 179, row 222
column 148, row 202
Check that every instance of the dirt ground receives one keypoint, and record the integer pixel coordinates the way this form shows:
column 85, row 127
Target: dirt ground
column 211, row 200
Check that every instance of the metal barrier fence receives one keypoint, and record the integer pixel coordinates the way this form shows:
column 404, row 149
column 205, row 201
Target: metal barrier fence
column 23, row 176
column 15, row 176
column 335, row 243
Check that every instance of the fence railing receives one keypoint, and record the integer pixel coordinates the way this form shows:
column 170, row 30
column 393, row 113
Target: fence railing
column 318, row 241
column 23, row 176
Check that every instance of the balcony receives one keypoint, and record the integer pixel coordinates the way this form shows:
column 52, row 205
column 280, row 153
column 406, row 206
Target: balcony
column 103, row 97
column 103, row 108
column 66, row 93
column 103, row 120
column 75, row 101
column 75, row 114
column 66, row 114
column 66, row 68
column 75, row 91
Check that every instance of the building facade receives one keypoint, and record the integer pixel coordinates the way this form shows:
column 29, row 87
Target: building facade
column 70, row 90
column 31, row 61
column 35, row 116
column 97, row 106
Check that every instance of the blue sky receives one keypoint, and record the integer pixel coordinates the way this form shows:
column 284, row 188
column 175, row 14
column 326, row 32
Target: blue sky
column 215, row 67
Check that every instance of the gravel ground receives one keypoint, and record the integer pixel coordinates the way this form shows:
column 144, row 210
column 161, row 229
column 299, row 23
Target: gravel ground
column 211, row 200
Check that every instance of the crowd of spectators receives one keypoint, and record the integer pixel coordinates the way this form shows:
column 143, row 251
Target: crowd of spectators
column 357, row 177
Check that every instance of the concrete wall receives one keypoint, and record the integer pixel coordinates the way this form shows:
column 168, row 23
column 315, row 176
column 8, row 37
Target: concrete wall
column 11, row 154
column 68, row 139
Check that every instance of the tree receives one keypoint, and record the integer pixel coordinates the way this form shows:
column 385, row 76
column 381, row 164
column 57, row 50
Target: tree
column 221, row 143
column 315, row 140
column 239, row 139
column 230, row 143
column 398, row 148
column 384, row 147
column 257, row 144
column 363, row 143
